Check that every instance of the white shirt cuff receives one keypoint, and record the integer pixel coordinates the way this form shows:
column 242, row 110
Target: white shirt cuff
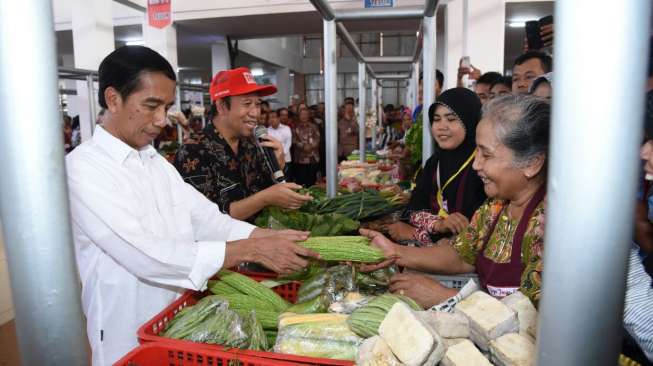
column 209, row 260
column 240, row 230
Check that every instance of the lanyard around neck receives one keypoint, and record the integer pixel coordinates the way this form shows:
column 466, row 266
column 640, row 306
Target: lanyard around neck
column 439, row 195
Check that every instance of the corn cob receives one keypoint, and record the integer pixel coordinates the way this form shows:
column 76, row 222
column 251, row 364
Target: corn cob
column 344, row 248
column 287, row 319
column 252, row 288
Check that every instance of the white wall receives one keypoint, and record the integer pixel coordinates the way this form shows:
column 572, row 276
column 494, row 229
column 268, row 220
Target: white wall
column 6, row 305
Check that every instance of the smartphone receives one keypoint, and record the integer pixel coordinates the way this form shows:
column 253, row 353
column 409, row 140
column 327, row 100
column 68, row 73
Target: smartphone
column 533, row 35
column 465, row 62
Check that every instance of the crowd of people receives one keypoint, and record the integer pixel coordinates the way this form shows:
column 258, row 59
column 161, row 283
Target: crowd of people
column 146, row 228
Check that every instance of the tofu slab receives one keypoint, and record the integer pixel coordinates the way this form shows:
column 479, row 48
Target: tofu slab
column 376, row 352
column 464, row 354
column 447, row 325
column 526, row 313
column 488, row 318
column 409, row 338
column 512, row 349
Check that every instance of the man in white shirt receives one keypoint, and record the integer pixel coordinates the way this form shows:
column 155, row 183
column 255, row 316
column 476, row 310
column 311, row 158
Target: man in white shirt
column 142, row 236
column 283, row 134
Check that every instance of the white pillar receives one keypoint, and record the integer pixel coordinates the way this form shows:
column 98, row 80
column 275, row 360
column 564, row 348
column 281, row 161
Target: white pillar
column 428, row 55
column 362, row 110
column 283, row 85
column 163, row 41
column 92, row 41
column 331, row 108
column 220, row 57
column 485, row 34
column 587, row 238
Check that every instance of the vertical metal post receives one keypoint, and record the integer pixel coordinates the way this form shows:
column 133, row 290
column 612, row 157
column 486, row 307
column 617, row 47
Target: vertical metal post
column 33, row 195
column 91, row 101
column 375, row 109
column 180, row 129
column 416, row 100
column 465, row 27
column 428, row 84
column 362, row 110
column 204, row 113
column 330, row 104
column 587, row 239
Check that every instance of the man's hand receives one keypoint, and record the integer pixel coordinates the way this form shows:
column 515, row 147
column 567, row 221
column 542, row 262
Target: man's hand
column 270, row 141
column 293, row 235
column 454, row 223
column 283, row 195
column 423, row 290
column 401, row 231
column 390, row 250
column 280, row 253
column 546, row 34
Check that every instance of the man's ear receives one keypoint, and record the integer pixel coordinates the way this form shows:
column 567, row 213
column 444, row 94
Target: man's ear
column 113, row 99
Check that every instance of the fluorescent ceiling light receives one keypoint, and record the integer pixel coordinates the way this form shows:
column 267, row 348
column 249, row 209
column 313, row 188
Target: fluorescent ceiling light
column 517, row 24
column 137, row 42
column 257, row 71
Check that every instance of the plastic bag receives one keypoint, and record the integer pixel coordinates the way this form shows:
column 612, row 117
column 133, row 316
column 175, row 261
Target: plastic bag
column 341, row 281
column 223, row 327
column 253, row 328
column 191, row 317
column 330, row 339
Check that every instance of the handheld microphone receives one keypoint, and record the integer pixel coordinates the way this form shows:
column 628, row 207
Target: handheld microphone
column 268, row 154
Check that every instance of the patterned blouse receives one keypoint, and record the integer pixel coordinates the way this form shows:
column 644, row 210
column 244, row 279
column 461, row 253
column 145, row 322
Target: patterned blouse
column 209, row 165
column 499, row 248
column 306, row 142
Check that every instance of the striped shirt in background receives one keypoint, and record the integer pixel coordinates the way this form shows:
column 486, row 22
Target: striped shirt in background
column 638, row 305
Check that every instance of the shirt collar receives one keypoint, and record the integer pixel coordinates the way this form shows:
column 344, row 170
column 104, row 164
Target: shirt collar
column 117, row 149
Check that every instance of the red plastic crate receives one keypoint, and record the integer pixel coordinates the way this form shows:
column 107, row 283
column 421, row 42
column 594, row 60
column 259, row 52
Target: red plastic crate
column 149, row 331
column 166, row 354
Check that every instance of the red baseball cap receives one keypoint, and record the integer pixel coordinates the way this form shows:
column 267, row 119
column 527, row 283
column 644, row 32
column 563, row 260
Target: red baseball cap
column 237, row 82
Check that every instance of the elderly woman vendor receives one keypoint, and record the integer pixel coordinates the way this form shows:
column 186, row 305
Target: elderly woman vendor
column 504, row 240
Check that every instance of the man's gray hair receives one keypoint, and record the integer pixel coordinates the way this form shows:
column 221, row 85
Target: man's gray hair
column 522, row 124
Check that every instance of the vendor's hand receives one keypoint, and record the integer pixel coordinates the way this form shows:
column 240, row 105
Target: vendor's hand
column 401, row 231
column 390, row 250
column 280, row 254
column 454, row 223
column 283, row 195
column 422, row 289
column 269, row 141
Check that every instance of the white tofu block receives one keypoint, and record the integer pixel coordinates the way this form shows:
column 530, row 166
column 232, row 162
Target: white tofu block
column 488, row 318
column 526, row 313
column 448, row 342
column 376, row 352
column 409, row 338
column 464, row 354
column 512, row 349
column 439, row 348
column 448, row 325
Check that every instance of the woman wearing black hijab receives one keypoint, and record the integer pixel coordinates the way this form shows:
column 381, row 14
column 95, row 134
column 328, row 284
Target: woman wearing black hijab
column 448, row 190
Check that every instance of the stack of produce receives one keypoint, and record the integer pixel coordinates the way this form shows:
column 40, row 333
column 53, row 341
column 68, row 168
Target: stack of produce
column 480, row 326
column 318, row 224
column 357, row 206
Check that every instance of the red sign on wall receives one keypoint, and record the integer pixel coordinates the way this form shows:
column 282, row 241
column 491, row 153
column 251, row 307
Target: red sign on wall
column 158, row 13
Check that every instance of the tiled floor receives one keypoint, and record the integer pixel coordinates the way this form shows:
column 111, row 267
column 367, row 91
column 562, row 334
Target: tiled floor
column 9, row 355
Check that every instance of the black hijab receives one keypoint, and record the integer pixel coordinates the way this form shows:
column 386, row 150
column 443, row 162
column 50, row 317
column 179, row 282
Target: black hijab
column 467, row 106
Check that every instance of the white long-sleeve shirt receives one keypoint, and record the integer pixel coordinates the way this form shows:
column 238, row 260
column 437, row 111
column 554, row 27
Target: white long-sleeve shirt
column 284, row 135
column 141, row 237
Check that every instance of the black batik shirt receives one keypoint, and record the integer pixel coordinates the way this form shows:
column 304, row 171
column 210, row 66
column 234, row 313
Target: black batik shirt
column 210, row 165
